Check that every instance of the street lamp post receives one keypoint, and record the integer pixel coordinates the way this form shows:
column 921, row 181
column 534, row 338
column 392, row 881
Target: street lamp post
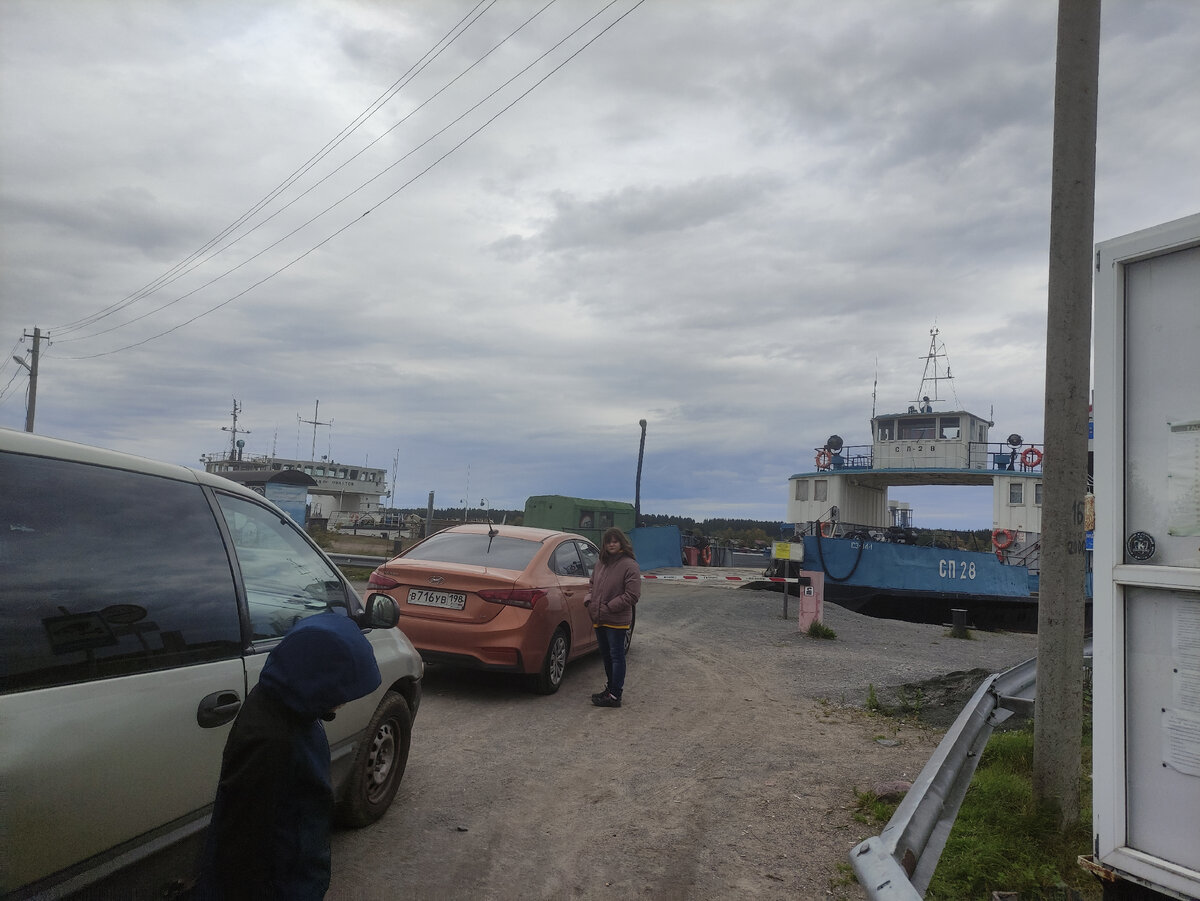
column 637, row 490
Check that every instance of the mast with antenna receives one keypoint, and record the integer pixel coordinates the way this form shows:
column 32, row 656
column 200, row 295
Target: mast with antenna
column 314, row 423
column 933, row 374
column 234, row 431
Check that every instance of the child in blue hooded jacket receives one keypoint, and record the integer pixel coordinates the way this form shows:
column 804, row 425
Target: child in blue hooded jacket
column 269, row 836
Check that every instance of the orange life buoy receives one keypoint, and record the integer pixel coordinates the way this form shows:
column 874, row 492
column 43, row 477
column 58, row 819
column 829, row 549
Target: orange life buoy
column 1031, row 457
column 824, row 458
column 1002, row 538
column 827, row 532
column 706, row 555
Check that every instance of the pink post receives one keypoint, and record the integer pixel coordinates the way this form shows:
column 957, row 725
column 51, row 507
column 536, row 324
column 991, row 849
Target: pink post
column 812, row 599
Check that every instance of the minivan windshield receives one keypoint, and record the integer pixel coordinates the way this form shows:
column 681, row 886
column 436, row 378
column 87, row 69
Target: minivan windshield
column 475, row 550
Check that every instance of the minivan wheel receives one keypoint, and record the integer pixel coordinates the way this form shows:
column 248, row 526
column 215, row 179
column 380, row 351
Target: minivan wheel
column 378, row 764
column 550, row 678
column 629, row 631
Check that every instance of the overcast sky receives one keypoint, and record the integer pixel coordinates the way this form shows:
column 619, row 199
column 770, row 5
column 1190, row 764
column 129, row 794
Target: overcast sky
column 489, row 241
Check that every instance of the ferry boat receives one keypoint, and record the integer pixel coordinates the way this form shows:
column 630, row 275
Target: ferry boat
column 337, row 495
column 864, row 542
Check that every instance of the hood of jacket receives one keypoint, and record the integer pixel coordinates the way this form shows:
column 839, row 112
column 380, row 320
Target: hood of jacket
column 323, row 661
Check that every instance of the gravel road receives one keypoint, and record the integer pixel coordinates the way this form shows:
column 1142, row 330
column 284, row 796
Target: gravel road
column 728, row 773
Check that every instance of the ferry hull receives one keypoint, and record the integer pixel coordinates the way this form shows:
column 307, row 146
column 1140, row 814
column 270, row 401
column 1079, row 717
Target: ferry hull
column 923, row 584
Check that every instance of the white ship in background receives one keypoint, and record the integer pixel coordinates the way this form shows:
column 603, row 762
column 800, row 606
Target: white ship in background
column 345, row 495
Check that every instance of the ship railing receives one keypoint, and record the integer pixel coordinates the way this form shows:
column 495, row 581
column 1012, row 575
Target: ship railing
column 1003, row 456
column 898, row 864
column 852, row 457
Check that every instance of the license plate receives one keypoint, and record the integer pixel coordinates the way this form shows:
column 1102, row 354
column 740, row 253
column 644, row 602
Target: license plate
column 450, row 600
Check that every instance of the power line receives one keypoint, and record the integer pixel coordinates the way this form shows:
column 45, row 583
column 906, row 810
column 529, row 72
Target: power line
column 178, row 269
column 329, row 175
column 389, row 196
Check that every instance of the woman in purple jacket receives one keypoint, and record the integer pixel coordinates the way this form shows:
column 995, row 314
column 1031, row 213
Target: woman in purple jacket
column 616, row 585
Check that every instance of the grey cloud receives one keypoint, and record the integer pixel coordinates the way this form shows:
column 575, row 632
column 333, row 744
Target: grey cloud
column 639, row 212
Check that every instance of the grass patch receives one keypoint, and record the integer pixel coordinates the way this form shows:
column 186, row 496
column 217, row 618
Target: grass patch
column 1002, row 840
column 872, row 698
column 357, row 573
column 819, row 630
column 870, row 810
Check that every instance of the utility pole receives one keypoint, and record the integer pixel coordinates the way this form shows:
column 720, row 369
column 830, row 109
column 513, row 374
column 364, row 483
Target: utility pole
column 32, row 367
column 1058, row 707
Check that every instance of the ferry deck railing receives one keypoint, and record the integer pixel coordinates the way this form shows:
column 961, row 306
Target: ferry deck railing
column 984, row 455
column 898, row 864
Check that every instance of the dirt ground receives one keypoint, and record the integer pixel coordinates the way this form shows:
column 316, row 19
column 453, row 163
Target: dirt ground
column 729, row 772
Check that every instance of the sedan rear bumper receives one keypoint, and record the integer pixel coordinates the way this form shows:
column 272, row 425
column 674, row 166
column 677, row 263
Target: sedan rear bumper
column 504, row 660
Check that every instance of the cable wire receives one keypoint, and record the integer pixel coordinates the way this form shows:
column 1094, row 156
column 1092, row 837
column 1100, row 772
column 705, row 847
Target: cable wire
column 389, row 196
column 347, row 162
column 174, row 272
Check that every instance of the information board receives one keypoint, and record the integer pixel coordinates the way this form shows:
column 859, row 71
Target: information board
column 1146, row 612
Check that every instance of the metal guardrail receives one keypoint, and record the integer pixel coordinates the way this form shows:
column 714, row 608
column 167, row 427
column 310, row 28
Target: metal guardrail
column 897, row 864
column 357, row 560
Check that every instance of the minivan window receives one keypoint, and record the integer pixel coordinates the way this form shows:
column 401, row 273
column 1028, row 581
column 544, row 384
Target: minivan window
column 286, row 579
column 106, row 573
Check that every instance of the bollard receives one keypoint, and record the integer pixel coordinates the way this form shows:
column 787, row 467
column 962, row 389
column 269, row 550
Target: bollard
column 959, row 623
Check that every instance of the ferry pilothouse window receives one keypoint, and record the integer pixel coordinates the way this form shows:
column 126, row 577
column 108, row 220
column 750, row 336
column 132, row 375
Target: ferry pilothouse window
column 820, row 489
column 950, row 428
column 801, row 489
column 887, row 429
column 916, row 429
column 1016, row 493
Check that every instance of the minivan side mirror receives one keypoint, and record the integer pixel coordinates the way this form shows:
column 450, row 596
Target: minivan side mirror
column 380, row 612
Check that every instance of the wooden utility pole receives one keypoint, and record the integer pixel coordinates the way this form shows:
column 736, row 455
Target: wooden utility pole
column 1058, row 708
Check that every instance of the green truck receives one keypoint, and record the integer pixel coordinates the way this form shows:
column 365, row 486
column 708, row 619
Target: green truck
column 582, row 516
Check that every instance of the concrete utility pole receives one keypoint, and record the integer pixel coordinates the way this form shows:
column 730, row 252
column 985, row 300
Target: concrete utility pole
column 1058, row 708
column 32, row 366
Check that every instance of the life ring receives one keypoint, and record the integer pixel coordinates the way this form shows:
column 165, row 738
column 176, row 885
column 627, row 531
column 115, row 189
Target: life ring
column 706, row 555
column 824, row 458
column 1031, row 457
column 828, row 532
column 1002, row 539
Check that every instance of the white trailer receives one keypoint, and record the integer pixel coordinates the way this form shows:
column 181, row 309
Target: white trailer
column 1146, row 614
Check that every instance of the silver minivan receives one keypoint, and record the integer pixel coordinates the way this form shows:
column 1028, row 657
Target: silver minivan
column 138, row 602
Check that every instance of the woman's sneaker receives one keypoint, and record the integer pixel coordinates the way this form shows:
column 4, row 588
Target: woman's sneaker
column 601, row 693
column 607, row 699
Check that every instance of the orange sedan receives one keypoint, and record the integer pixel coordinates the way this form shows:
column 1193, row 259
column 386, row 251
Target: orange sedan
column 503, row 598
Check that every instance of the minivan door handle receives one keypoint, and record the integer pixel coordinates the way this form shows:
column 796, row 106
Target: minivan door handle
column 218, row 708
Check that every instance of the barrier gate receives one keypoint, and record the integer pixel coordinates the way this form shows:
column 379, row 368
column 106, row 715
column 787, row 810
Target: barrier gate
column 1146, row 613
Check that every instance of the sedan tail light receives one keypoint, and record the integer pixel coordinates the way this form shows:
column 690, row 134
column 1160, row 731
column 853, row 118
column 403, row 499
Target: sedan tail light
column 514, row 597
column 381, row 582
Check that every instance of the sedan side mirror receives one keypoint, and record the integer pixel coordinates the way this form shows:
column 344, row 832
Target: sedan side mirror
column 380, row 612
